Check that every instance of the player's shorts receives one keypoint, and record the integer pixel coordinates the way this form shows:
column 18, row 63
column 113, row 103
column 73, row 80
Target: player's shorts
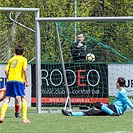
column 15, row 88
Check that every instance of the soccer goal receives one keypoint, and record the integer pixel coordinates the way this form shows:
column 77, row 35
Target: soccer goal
column 17, row 27
column 63, row 83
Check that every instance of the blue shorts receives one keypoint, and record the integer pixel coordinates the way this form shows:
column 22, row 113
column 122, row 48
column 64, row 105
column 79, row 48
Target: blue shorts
column 14, row 89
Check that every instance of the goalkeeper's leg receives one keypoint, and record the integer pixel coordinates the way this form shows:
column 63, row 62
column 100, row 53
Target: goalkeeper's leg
column 90, row 112
column 102, row 110
column 109, row 109
column 73, row 113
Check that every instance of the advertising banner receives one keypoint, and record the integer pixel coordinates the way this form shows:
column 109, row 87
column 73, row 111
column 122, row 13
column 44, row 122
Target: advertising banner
column 85, row 81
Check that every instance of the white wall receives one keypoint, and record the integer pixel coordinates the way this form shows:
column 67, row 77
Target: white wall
column 119, row 70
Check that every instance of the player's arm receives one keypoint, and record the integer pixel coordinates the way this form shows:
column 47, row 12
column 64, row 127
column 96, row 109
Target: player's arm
column 26, row 77
column 74, row 50
column 7, row 69
column 25, row 73
column 129, row 103
column 6, row 72
column 126, row 100
column 80, row 44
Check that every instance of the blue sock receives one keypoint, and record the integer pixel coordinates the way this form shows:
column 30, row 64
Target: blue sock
column 77, row 113
column 107, row 110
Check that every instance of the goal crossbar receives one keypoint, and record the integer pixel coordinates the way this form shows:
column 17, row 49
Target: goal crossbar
column 61, row 19
column 19, row 9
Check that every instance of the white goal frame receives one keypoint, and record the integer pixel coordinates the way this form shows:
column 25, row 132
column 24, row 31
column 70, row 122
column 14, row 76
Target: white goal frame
column 38, row 47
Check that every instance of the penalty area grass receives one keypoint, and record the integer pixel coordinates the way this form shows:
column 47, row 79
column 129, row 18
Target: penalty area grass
column 58, row 123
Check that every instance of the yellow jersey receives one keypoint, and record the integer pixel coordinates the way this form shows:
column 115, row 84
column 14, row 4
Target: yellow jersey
column 15, row 68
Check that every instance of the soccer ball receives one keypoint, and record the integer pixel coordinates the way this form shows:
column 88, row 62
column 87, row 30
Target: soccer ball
column 90, row 57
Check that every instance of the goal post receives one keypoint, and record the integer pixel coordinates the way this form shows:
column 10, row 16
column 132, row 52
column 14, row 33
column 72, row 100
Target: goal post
column 122, row 69
column 63, row 69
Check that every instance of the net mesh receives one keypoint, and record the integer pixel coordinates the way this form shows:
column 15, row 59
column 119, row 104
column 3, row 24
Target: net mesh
column 16, row 28
column 88, row 82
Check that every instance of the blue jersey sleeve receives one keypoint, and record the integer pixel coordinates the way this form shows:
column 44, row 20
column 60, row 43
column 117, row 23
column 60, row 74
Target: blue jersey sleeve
column 122, row 101
column 123, row 96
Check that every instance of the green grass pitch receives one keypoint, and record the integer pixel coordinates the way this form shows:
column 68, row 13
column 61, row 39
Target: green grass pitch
column 58, row 123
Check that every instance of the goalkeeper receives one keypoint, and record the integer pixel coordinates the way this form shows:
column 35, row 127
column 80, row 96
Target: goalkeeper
column 121, row 103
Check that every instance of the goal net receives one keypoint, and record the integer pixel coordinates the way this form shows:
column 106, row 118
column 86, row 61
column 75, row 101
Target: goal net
column 17, row 26
column 65, row 83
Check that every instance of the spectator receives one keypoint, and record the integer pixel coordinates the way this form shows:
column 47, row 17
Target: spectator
column 79, row 49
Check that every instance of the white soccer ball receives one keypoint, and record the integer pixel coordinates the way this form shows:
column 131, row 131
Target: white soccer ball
column 90, row 57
